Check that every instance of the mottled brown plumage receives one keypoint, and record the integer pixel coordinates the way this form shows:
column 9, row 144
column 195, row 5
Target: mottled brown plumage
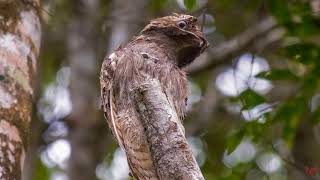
column 163, row 47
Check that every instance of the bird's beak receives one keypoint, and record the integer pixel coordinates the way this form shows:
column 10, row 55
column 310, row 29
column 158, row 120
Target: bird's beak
column 204, row 44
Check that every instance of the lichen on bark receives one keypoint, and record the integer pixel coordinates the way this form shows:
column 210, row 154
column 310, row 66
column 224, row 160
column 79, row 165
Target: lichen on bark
column 20, row 33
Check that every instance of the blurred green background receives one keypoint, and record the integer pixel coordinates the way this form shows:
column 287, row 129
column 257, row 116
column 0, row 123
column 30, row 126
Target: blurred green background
column 253, row 110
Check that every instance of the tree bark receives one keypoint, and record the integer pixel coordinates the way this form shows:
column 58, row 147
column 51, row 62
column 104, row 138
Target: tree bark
column 171, row 154
column 20, row 34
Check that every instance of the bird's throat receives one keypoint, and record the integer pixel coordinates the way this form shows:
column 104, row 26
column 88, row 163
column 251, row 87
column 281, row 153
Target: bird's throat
column 187, row 55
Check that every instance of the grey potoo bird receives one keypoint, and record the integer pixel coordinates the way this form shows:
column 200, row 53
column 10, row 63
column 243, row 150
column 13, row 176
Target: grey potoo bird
column 160, row 51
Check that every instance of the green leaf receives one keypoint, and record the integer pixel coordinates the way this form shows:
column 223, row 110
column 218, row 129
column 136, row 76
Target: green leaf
column 190, row 4
column 158, row 5
column 42, row 171
column 307, row 27
column 304, row 53
column 250, row 99
column 278, row 74
column 279, row 9
column 310, row 83
column 296, row 16
column 290, row 114
column 253, row 128
column 302, row 23
column 235, row 140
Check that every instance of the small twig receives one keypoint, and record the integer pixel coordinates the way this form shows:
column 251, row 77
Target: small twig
column 203, row 18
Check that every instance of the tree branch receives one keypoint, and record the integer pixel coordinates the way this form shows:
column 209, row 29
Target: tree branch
column 171, row 154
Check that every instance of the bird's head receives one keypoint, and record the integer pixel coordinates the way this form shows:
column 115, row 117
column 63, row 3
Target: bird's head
column 183, row 30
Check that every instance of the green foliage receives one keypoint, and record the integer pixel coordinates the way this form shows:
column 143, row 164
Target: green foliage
column 305, row 53
column 250, row 99
column 290, row 114
column 50, row 62
column 190, row 4
column 301, row 25
column 234, row 140
column 158, row 5
column 225, row 4
column 278, row 74
column 254, row 128
column 280, row 10
column 41, row 171
column 296, row 16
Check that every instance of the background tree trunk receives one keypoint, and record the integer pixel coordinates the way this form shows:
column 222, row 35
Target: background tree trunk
column 87, row 135
column 20, row 34
column 126, row 20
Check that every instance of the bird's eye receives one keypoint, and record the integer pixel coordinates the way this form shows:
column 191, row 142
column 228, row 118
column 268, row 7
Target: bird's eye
column 182, row 24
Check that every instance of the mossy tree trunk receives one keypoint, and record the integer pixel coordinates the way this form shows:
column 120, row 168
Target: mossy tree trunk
column 20, row 34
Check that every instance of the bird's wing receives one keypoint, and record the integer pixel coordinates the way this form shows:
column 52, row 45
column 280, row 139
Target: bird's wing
column 124, row 122
column 106, row 77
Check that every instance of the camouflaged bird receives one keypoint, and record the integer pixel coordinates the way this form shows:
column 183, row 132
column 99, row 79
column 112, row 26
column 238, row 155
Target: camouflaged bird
column 161, row 50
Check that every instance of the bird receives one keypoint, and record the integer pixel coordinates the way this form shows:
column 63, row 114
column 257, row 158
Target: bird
column 161, row 50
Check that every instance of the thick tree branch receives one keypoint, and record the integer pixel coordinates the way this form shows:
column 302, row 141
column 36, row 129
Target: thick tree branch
column 171, row 154
column 231, row 47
